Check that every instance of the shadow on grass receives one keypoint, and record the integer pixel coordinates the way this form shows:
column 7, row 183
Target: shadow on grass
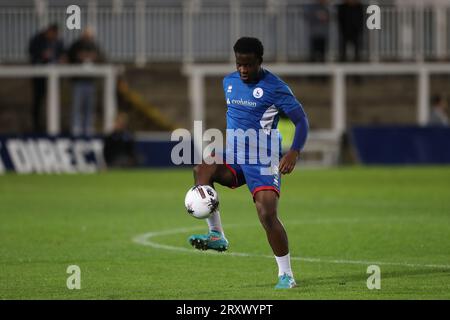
column 342, row 280
column 308, row 285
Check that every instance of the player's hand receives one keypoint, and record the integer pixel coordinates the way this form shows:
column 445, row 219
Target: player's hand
column 288, row 162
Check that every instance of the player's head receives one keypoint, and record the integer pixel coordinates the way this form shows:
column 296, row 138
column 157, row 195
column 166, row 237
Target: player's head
column 88, row 34
column 52, row 32
column 439, row 101
column 121, row 122
column 249, row 56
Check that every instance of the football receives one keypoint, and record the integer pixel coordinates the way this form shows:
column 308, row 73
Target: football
column 201, row 201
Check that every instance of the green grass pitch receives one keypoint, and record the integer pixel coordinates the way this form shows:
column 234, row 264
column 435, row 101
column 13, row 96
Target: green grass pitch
column 127, row 231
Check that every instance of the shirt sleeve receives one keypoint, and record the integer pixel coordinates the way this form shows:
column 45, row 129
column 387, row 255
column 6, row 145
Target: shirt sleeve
column 224, row 84
column 287, row 103
column 301, row 129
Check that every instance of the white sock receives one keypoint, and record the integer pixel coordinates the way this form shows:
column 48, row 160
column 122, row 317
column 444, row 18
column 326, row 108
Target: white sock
column 214, row 222
column 284, row 265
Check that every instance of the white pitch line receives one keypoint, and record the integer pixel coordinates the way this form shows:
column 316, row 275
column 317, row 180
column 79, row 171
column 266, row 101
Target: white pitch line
column 144, row 239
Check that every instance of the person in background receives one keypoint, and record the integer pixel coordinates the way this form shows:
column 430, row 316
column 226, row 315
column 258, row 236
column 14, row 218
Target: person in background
column 118, row 148
column 351, row 26
column 319, row 18
column 84, row 51
column 438, row 114
column 44, row 48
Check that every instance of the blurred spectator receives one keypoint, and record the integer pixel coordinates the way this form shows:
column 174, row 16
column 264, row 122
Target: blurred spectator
column 84, row 51
column 119, row 144
column 438, row 114
column 351, row 26
column 43, row 48
column 319, row 18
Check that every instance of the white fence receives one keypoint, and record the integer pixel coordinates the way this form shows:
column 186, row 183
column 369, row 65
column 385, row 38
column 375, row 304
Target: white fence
column 325, row 140
column 53, row 74
column 192, row 30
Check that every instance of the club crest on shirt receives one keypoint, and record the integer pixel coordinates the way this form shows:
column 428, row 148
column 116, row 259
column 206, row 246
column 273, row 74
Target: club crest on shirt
column 258, row 93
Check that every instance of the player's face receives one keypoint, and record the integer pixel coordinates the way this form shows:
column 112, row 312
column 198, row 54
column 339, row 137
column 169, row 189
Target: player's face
column 248, row 66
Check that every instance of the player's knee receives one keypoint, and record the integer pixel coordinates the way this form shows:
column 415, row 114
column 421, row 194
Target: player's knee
column 268, row 220
column 197, row 169
column 204, row 173
column 268, row 217
column 204, row 168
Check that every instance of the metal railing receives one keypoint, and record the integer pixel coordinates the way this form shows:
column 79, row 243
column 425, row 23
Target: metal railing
column 53, row 73
column 198, row 31
column 324, row 140
column 198, row 72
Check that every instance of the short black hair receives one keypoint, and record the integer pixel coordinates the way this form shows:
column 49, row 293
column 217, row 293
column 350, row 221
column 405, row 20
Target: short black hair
column 53, row 27
column 437, row 99
column 249, row 45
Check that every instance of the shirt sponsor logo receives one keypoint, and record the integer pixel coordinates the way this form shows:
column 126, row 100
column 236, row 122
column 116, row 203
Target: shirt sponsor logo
column 242, row 102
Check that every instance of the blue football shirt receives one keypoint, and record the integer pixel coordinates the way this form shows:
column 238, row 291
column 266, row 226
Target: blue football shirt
column 254, row 109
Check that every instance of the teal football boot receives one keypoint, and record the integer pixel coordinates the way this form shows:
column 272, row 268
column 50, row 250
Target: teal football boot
column 285, row 282
column 213, row 240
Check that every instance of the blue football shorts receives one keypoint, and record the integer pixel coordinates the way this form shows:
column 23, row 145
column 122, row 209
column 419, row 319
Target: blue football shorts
column 252, row 175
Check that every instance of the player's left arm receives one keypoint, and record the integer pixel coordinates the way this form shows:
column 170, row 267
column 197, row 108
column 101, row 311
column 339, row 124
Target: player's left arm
column 294, row 110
